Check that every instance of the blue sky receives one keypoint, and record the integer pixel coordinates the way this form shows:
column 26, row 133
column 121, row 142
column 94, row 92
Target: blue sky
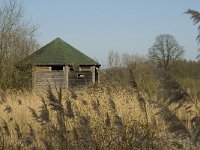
column 96, row 27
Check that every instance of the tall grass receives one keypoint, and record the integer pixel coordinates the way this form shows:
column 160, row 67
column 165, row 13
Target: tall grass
column 102, row 117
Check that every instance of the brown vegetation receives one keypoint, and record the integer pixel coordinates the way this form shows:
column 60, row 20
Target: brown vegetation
column 17, row 41
column 142, row 108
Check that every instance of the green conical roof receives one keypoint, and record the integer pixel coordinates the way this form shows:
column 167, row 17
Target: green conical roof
column 59, row 52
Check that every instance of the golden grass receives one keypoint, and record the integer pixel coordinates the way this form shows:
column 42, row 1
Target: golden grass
column 100, row 117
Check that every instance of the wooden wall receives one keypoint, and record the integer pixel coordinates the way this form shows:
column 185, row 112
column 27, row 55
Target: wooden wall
column 77, row 81
column 68, row 77
column 44, row 76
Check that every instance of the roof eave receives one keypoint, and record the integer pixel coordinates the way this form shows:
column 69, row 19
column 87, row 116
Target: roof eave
column 51, row 64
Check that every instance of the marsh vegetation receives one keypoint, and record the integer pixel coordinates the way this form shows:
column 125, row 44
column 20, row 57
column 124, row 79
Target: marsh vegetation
column 142, row 107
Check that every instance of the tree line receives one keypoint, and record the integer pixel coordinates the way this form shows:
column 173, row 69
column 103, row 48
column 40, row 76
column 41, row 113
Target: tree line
column 165, row 51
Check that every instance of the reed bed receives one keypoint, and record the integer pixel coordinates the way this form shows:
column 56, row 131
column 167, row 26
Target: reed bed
column 99, row 117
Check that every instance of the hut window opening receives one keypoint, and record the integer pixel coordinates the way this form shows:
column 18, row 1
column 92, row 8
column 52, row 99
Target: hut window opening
column 57, row 68
column 81, row 75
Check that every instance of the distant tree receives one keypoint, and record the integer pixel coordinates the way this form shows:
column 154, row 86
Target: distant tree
column 195, row 16
column 165, row 51
column 113, row 59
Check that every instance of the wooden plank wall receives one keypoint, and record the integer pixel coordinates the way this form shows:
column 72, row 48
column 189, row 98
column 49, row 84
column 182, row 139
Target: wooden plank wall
column 42, row 76
column 53, row 78
column 75, row 81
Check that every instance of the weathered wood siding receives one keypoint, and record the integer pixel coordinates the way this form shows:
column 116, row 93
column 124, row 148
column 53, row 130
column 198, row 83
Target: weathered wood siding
column 68, row 77
column 43, row 76
column 75, row 81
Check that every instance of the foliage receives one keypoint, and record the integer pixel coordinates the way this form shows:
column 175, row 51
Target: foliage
column 195, row 16
column 17, row 40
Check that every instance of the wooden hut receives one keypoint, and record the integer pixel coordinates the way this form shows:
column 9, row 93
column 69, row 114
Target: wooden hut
column 58, row 64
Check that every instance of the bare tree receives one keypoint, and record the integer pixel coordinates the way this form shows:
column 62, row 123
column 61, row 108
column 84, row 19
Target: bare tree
column 113, row 59
column 165, row 51
column 17, row 39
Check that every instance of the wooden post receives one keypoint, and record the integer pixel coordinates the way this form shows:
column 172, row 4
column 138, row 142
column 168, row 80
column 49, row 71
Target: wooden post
column 98, row 76
column 93, row 74
column 66, row 76
column 33, row 71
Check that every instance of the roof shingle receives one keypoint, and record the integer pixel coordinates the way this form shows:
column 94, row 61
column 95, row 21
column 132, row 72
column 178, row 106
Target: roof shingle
column 59, row 52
